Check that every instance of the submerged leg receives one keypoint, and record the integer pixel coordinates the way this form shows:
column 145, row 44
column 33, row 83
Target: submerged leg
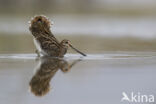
column 38, row 53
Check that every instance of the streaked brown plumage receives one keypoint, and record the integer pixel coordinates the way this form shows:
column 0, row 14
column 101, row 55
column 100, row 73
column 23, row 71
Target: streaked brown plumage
column 39, row 84
column 45, row 41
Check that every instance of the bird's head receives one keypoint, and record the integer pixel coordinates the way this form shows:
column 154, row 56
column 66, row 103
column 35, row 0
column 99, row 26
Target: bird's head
column 66, row 43
column 40, row 23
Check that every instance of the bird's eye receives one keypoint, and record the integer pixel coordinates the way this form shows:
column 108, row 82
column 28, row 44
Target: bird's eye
column 66, row 42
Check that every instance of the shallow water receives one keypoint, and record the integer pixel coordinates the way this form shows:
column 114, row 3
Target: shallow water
column 97, row 78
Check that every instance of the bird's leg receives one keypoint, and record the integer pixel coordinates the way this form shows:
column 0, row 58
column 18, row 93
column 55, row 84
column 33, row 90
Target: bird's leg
column 38, row 53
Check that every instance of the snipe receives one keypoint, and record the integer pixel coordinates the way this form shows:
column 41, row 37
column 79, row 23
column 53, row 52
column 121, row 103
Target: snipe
column 45, row 41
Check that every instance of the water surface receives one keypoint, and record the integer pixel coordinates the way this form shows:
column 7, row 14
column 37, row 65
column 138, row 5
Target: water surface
column 97, row 78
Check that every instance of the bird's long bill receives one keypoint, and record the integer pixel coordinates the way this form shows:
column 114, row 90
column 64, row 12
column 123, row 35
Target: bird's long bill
column 77, row 50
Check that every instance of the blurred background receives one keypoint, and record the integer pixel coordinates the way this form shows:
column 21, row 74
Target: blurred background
column 93, row 26
column 123, row 31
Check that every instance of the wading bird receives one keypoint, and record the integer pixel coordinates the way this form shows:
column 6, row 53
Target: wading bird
column 45, row 41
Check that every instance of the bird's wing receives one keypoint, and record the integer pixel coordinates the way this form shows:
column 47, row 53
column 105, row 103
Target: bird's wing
column 50, row 36
column 50, row 45
column 47, row 43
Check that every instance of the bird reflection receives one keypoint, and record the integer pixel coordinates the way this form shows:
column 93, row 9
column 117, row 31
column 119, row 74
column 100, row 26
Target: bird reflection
column 40, row 82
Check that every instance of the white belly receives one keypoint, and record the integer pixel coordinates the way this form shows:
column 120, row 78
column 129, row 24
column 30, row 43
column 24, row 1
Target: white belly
column 37, row 44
